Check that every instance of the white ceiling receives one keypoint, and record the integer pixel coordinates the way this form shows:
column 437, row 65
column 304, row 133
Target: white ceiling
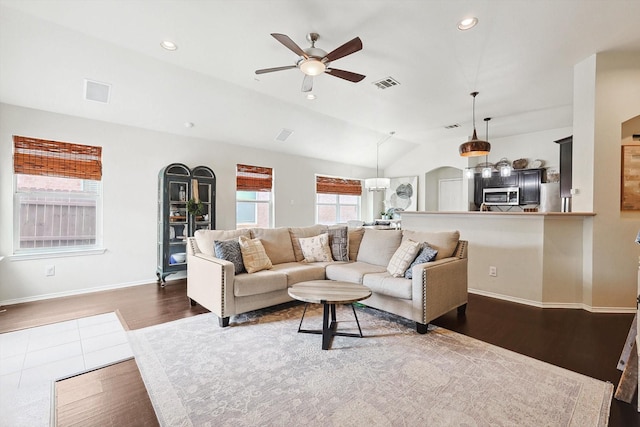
column 520, row 58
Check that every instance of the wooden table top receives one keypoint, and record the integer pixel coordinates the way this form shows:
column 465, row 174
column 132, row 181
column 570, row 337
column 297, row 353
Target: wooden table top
column 329, row 292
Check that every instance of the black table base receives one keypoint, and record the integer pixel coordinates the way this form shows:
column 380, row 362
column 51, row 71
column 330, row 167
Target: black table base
column 329, row 324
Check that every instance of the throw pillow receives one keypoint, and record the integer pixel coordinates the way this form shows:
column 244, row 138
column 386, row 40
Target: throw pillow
column 229, row 250
column 339, row 242
column 355, row 237
column 427, row 254
column 253, row 255
column 403, row 257
column 316, row 249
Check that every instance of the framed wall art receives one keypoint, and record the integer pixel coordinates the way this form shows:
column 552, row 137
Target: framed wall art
column 630, row 185
column 402, row 195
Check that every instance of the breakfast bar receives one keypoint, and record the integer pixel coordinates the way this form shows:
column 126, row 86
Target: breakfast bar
column 536, row 258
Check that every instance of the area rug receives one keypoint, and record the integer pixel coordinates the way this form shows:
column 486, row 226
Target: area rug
column 260, row 371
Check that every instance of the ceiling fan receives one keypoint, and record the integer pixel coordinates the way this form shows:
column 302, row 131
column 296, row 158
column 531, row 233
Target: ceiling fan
column 314, row 61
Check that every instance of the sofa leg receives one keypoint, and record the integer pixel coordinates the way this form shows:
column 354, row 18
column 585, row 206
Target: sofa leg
column 223, row 322
column 422, row 328
column 462, row 310
column 192, row 302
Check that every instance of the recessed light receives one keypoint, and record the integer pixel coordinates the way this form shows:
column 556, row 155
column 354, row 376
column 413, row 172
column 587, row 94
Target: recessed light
column 169, row 45
column 188, row 124
column 311, row 96
column 467, row 23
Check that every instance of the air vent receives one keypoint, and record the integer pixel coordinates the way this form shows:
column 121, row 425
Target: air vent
column 453, row 126
column 386, row 83
column 96, row 91
column 283, row 135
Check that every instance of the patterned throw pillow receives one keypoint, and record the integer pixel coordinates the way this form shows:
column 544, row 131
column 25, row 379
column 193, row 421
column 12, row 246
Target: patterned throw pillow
column 316, row 249
column 427, row 254
column 403, row 257
column 229, row 250
column 253, row 255
column 339, row 242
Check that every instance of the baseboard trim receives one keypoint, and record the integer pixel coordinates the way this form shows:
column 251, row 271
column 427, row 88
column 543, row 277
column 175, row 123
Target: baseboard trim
column 77, row 292
column 566, row 305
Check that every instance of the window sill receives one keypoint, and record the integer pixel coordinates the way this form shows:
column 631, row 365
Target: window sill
column 60, row 254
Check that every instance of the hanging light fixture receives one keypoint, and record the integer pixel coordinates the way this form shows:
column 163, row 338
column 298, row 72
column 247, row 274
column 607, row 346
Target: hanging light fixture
column 487, row 170
column 474, row 147
column 377, row 183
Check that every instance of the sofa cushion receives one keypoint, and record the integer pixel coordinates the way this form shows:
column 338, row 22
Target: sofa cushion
column 229, row 250
column 261, row 282
column 445, row 242
column 316, row 249
column 355, row 238
column 403, row 257
column 352, row 271
column 297, row 232
column 385, row 284
column 253, row 255
column 339, row 242
column 297, row 272
column 378, row 246
column 205, row 238
column 276, row 242
column 426, row 254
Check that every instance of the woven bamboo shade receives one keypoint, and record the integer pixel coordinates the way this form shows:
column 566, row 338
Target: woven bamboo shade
column 32, row 156
column 253, row 178
column 348, row 187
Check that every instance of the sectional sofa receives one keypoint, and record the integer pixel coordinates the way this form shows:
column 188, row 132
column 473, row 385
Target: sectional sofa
column 435, row 288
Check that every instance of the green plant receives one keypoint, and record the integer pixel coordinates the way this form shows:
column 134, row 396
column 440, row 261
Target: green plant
column 195, row 207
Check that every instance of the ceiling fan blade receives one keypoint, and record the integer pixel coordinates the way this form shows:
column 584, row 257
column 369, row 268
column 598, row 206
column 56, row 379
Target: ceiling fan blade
column 346, row 49
column 285, row 40
column 347, row 75
column 271, row 70
column 307, row 83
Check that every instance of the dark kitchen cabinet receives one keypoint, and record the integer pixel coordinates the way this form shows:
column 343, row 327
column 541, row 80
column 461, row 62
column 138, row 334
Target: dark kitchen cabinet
column 527, row 180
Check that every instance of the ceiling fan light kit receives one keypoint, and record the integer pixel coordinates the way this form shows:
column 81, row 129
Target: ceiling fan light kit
column 474, row 147
column 314, row 61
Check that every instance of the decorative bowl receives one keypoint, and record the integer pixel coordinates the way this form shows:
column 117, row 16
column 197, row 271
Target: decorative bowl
column 520, row 164
column 179, row 257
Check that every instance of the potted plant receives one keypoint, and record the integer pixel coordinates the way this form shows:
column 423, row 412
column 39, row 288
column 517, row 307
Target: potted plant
column 383, row 215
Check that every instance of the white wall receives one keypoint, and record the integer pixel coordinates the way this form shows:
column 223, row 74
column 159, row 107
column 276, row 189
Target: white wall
column 132, row 158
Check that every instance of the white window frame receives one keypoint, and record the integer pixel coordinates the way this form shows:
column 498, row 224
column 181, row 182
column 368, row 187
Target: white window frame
column 337, row 205
column 57, row 251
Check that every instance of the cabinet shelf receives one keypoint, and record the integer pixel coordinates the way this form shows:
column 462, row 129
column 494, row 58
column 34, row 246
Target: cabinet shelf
column 176, row 185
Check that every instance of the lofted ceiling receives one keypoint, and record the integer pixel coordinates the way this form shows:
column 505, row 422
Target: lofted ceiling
column 520, row 58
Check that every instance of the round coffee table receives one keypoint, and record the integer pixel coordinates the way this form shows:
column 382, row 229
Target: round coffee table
column 329, row 293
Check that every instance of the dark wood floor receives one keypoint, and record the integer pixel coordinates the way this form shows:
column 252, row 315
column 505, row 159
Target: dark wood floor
column 588, row 343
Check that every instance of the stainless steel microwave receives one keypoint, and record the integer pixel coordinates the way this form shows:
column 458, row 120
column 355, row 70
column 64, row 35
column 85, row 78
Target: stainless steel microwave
column 501, row 196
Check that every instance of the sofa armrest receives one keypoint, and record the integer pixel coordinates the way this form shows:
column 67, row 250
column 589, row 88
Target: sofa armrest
column 439, row 287
column 210, row 283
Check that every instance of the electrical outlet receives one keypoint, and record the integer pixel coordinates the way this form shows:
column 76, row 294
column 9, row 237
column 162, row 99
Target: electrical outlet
column 493, row 271
column 50, row 270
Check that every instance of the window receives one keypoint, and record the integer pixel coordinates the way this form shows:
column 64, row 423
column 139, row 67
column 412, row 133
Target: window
column 57, row 199
column 337, row 200
column 254, row 196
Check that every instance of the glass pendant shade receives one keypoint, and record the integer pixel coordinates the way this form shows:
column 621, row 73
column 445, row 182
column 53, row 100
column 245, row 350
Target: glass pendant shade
column 377, row 184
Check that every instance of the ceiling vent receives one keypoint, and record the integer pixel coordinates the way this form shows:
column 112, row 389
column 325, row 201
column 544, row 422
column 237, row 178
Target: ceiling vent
column 386, row 83
column 283, row 135
column 96, row 91
column 453, row 126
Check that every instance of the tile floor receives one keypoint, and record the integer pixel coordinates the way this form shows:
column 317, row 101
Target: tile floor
column 31, row 359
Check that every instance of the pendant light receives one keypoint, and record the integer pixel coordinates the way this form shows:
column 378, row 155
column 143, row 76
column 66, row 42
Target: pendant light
column 487, row 170
column 474, row 147
column 377, row 183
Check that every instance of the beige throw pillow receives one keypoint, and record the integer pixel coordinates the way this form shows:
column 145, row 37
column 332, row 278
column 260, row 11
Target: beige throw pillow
column 403, row 257
column 254, row 256
column 316, row 249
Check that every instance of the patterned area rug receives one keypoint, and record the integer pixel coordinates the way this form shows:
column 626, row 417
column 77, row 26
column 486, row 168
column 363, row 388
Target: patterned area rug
column 260, row 371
